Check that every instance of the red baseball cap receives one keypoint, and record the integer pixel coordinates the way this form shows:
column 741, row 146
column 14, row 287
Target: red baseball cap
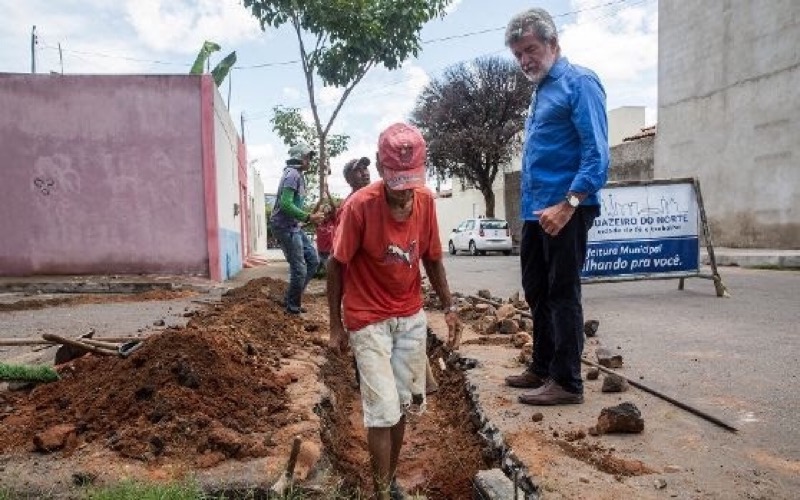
column 402, row 154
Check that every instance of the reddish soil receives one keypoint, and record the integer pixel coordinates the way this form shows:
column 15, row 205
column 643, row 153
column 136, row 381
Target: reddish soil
column 218, row 390
column 441, row 452
column 198, row 395
column 101, row 298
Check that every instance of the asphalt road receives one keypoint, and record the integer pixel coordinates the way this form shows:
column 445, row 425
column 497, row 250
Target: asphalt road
column 736, row 358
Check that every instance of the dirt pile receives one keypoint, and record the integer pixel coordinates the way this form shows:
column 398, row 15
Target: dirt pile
column 198, row 395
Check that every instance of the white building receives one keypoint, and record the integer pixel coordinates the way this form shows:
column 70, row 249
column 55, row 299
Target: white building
column 463, row 202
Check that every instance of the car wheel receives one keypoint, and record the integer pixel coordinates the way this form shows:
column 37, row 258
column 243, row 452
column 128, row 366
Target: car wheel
column 452, row 248
column 506, row 252
column 473, row 250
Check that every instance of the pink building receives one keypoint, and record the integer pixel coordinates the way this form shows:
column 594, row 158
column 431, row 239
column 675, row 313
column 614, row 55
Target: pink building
column 121, row 174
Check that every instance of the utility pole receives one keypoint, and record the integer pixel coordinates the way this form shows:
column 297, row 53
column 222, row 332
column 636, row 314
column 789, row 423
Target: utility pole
column 242, row 121
column 33, row 49
column 61, row 57
column 230, row 80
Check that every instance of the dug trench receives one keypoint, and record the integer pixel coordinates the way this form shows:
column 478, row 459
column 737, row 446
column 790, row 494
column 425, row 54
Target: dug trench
column 220, row 402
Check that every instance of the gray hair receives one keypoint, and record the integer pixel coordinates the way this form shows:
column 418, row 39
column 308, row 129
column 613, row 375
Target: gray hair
column 536, row 21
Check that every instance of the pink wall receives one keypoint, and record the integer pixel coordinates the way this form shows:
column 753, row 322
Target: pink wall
column 101, row 174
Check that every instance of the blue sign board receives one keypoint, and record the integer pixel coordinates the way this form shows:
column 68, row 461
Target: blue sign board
column 644, row 230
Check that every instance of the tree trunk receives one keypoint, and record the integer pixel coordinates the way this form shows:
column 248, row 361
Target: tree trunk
column 488, row 198
column 323, row 169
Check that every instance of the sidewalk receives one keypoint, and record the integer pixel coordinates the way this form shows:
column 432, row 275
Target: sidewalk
column 272, row 263
column 754, row 257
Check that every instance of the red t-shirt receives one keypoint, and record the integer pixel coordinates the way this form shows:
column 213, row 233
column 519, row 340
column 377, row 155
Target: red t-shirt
column 324, row 234
column 382, row 278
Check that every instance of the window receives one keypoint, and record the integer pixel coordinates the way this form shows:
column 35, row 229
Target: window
column 494, row 224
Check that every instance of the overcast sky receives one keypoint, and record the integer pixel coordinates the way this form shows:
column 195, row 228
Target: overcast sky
column 616, row 38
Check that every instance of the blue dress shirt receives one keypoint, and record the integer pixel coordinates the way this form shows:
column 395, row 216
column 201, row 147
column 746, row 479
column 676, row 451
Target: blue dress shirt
column 566, row 139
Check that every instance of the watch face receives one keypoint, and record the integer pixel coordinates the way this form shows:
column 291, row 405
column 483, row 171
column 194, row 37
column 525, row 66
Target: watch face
column 573, row 201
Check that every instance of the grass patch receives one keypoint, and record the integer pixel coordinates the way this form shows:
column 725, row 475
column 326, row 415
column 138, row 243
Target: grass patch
column 27, row 373
column 133, row 490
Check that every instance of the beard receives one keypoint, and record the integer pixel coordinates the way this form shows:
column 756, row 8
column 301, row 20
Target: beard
column 536, row 77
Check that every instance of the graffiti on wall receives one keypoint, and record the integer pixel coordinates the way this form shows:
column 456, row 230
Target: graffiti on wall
column 44, row 185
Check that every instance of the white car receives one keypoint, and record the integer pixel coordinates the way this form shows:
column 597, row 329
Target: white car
column 478, row 236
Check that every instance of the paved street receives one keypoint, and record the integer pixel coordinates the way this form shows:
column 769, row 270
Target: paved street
column 734, row 357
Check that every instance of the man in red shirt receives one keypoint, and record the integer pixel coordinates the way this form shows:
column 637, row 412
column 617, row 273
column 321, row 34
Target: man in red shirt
column 384, row 231
column 356, row 174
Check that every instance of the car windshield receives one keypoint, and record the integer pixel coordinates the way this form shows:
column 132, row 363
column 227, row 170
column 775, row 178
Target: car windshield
column 494, row 224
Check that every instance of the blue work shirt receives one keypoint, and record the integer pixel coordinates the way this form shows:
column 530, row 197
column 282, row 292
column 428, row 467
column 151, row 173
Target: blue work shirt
column 566, row 139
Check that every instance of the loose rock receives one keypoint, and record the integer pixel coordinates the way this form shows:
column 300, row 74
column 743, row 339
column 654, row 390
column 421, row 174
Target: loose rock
column 506, row 311
column 614, row 383
column 623, row 418
column 592, row 374
column 54, row 438
column 537, row 417
column 608, row 359
column 660, row 484
column 520, row 339
column 526, row 354
column 590, row 327
column 507, row 327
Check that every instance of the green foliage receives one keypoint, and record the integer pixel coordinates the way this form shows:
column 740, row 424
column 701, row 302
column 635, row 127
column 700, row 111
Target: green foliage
column 199, row 66
column 353, row 33
column 27, row 373
column 471, row 118
column 290, row 126
column 221, row 70
column 134, row 490
column 341, row 40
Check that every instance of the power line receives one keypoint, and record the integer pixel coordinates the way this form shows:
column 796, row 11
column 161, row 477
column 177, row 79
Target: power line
column 296, row 61
column 501, row 28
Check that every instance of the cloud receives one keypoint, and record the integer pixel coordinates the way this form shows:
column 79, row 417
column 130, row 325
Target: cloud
column 620, row 44
column 183, row 25
column 452, row 7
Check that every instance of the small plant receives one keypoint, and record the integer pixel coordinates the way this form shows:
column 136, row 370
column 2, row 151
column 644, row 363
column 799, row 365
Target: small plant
column 27, row 373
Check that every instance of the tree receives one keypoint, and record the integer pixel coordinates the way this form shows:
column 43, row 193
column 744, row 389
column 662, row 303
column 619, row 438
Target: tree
column 292, row 129
column 471, row 118
column 341, row 40
column 221, row 70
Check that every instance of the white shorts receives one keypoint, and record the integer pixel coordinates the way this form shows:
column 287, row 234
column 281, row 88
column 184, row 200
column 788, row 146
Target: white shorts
column 391, row 364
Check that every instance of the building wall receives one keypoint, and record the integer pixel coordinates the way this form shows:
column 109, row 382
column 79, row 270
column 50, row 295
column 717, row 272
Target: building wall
column 632, row 160
column 101, row 175
column 228, row 190
column 624, row 122
column 466, row 203
column 256, row 218
column 729, row 74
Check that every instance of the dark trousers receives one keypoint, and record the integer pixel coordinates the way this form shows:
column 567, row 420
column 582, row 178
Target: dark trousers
column 551, row 279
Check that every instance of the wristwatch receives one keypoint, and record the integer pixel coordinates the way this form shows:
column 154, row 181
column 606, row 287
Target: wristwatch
column 573, row 200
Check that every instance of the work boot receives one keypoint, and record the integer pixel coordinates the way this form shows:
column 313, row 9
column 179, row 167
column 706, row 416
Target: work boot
column 551, row 394
column 525, row 380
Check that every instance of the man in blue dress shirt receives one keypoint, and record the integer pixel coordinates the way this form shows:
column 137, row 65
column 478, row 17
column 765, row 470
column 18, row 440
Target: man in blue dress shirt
column 564, row 165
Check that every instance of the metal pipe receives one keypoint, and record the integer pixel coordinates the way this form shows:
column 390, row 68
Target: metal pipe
column 663, row 396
